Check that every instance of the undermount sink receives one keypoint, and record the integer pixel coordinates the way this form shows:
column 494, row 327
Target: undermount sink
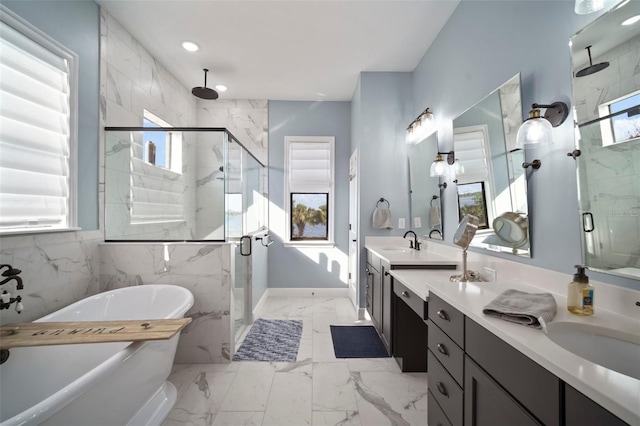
column 610, row 348
column 396, row 249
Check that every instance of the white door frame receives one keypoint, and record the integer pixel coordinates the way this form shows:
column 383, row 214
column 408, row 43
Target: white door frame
column 354, row 243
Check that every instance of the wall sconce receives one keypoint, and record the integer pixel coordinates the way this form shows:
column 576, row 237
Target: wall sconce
column 438, row 166
column 421, row 127
column 538, row 129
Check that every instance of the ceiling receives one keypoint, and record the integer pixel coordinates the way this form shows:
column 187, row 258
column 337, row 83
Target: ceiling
column 283, row 50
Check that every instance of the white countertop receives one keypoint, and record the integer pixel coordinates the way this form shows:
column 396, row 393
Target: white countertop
column 616, row 392
column 396, row 254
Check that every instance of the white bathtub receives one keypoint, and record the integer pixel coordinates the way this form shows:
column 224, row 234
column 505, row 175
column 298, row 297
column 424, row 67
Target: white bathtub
column 97, row 384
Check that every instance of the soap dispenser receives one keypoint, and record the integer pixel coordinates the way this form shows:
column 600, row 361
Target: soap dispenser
column 580, row 294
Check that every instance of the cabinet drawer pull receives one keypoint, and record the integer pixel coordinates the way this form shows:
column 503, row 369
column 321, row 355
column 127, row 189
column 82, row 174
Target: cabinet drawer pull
column 386, row 274
column 367, row 285
column 443, row 314
column 405, row 294
column 442, row 389
column 442, row 349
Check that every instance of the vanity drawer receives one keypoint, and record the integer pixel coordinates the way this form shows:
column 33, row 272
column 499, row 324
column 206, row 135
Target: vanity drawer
column 527, row 381
column 448, row 353
column 418, row 305
column 435, row 415
column 445, row 390
column 449, row 319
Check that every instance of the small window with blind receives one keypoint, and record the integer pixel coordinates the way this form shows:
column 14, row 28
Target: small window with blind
column 38, row 97
column 309, row 189
column 475, row 183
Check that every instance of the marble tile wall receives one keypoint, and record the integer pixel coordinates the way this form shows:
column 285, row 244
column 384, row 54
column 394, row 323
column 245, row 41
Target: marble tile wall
column 615, row 81
column 57, row 270
column 246, row 119
column 209, row 220
column 204, row 269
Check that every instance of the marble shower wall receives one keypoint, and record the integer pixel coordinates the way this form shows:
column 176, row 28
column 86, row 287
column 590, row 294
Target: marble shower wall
column 247, row 120
column 204, row 269
column 209, row 215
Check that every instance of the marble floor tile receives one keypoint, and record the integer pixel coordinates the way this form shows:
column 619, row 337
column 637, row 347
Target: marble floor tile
column 323, row 348
column 336, row 418
column 238, row 418
column 250, row 388
column 289, row 401
column 386, row 398
column 333, row 387
column 317, row 389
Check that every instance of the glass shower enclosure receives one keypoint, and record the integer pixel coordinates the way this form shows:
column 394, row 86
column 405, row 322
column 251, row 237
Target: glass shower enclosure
column 186, row 185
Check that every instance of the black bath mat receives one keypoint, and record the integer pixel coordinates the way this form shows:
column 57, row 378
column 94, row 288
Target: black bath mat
column 357, row 341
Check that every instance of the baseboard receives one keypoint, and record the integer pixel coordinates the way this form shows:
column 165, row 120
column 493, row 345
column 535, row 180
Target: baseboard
column 362, row 314
column 308, row 292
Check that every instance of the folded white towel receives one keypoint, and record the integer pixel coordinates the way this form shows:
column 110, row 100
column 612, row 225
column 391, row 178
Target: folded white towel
column 530, row 309
column 435, row 217
column 382, row 218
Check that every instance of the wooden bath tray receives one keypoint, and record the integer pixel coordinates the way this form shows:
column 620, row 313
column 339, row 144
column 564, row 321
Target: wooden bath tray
column 68, row 333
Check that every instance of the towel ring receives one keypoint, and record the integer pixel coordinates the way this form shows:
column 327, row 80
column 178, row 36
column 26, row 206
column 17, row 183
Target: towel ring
column 382, row 200
column 435, row 197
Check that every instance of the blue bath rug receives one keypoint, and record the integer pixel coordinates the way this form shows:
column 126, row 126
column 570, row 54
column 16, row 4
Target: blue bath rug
column 357, row 341
column 271, row 340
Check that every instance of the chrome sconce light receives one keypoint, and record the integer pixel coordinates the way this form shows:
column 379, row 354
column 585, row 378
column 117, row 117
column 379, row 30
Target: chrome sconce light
column 438, row 167
column 421, row 127
column 538, row 129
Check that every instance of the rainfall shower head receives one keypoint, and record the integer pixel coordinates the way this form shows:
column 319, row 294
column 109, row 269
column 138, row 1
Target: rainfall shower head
column 591, row 69
column 204, row 92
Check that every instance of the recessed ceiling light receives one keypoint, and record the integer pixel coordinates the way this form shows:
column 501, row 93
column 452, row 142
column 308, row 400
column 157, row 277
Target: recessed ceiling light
column 190, row 46
column 631, row 20
column 221, row 87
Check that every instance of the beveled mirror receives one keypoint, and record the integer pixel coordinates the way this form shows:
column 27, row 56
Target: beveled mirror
column 492, row 184
column 606, row 99
column 425, row 193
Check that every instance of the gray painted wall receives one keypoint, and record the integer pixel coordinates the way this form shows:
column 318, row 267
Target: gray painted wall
column 381, row 110
column 76, row 24
column 290, row 267
column 483, row 44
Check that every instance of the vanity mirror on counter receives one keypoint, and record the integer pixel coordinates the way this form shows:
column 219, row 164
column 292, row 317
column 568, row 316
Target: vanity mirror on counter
column 492, row 185
column 425, row 192
column 606, row 99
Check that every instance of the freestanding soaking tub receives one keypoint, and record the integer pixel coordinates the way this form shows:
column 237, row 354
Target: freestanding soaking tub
column 97, row 384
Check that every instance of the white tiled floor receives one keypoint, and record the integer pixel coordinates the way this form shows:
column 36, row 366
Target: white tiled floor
column 317, row 389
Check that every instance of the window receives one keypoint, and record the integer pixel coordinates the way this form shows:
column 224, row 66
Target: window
column 624, row 126
column 472, row 200
column 157, row 184
column 475, row 184
column 309, row 189
column 38, row 81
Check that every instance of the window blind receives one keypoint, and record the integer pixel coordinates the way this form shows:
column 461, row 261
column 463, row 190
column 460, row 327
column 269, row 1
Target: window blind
column 157, row 194
column 35, row 133
column 309, row 166
column 472, row 153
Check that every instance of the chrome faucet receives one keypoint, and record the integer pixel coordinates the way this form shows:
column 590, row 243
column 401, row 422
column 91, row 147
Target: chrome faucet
column 415, row 244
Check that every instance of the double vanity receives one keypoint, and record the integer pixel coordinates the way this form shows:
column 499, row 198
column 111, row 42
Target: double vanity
column 487, row 371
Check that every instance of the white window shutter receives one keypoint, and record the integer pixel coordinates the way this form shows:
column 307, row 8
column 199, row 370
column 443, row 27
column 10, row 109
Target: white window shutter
column 35, row 132
column 472, row 153
column 309, row 166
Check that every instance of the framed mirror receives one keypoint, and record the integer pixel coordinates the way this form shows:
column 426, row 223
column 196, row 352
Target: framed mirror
column 606, row 99
column 491, row 184
column 426, row 217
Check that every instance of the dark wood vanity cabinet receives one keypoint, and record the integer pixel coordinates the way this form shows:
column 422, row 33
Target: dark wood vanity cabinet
column 582, row 411
column 374, row 294
column 387, row 310
column 477, row 379
column 410, row 331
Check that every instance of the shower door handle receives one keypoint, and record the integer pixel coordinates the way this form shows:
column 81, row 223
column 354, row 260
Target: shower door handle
column 587, row 222
column 245, row 245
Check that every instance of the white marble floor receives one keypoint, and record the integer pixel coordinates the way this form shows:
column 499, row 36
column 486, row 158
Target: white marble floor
column 317, row 389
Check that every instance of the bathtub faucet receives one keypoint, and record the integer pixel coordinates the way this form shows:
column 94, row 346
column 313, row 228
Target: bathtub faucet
column 5, row 298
